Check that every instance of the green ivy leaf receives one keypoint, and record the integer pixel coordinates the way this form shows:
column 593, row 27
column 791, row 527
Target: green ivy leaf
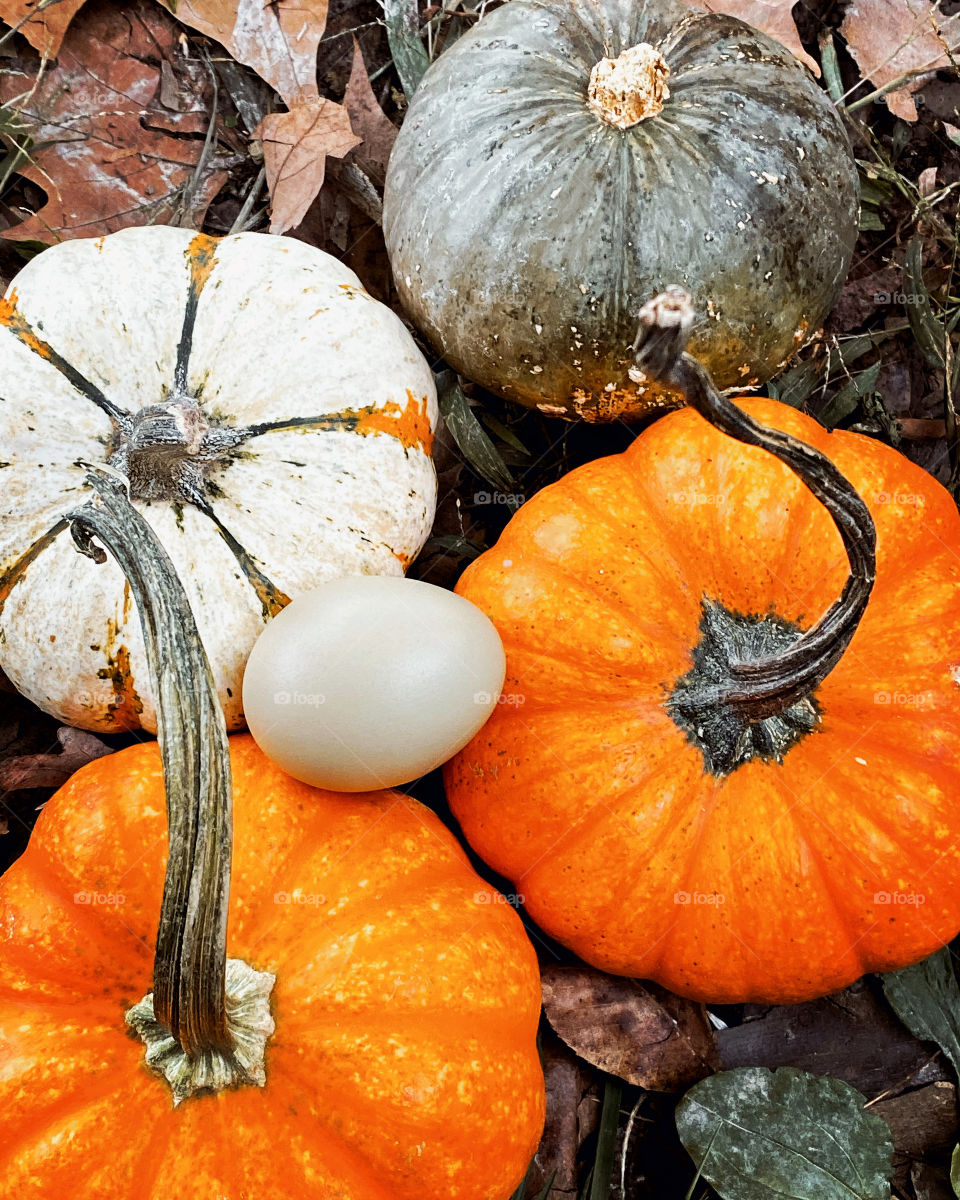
column 756, row 1134
column 927, row 1000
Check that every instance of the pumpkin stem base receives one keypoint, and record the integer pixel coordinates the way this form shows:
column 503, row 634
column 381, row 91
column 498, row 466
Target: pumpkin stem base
column 249, row 1023
column 728, row 735
column 630, row 88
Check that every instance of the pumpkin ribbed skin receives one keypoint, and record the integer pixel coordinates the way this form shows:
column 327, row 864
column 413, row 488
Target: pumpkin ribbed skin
column 269, row 338
column 525, row 232
column 404, row 1061
column 778, row 881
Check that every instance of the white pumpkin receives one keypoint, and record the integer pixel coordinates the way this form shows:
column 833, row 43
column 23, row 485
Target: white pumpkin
column 275, row 423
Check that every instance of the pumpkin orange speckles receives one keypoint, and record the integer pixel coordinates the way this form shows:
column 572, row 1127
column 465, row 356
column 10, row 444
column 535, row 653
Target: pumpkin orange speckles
column 380, row 990
column 769, row 879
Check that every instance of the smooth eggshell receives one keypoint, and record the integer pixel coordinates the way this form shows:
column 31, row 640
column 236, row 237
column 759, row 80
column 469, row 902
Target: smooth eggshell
column 371, row 681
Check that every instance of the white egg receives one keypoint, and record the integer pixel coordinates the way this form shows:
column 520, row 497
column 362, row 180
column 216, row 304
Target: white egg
column 371, row 681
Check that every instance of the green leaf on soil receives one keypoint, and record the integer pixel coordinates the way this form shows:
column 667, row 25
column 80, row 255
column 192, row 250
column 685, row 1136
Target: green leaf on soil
column 849, row 396
column 468, row 433
column 403, row 33
column 926, row 328
column 926, row 998
column 506, row 435
column 602, row 1176
column 762, row 1135
column 796, row 386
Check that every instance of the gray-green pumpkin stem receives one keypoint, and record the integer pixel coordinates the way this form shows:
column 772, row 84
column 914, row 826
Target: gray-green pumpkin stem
column 726, row 699
column 187, row 1022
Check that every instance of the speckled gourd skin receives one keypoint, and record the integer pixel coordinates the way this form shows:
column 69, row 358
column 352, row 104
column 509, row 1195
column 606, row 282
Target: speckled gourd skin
column 404, row 1063
column 525, row 232
column 779, row 881
column 285, row 336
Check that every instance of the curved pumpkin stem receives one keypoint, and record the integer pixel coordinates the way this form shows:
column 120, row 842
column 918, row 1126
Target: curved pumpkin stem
column 768, row 687
column 187, row 1021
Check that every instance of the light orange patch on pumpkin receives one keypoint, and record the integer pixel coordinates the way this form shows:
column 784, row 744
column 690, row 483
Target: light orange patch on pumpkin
column 202, row 257
column 410, row 424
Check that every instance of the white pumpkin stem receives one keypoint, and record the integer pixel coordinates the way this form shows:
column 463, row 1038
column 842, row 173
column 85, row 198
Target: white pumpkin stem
column 749, row 692
column 630, row 88
column 200, row 1033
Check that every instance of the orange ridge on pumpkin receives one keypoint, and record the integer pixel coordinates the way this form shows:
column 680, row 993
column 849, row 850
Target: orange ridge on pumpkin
column 202, row 257
column 410, row 424
column 14, row 320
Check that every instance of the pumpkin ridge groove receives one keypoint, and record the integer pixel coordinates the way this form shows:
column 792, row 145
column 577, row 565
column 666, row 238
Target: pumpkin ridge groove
column 11, row 318
column 12, row 574
column 887, row 827
column 371, row 420
column 300, row 856
column 271, row 598
column 611, row 602
column 874, row 745
column 201, row 258
column 827, row 881
column 655, row 510
column 594, row 815
column 60, row 888
column 707, row 805
column 150, row 1164
column 544, row 771
column 359, row 1163
column 61, row 1110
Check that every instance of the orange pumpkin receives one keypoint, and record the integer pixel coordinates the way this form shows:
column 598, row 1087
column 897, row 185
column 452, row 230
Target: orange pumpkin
column 824, row 840
column 403, row 1062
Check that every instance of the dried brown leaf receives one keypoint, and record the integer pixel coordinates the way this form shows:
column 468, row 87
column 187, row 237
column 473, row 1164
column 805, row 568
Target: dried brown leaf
column 295, row 149
column 639, row 1031
column 44, row 28
column 862, row 296
column 917, row 428
column 772, row 17
column 891, row 38
column 52, row 770
column 277, row 40
column 106, row 151
column 852, row 1035
column 368, row 120
column 569, row 1119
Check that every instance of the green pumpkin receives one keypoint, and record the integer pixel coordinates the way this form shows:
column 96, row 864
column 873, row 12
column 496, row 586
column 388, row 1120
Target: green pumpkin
column 526, row 227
